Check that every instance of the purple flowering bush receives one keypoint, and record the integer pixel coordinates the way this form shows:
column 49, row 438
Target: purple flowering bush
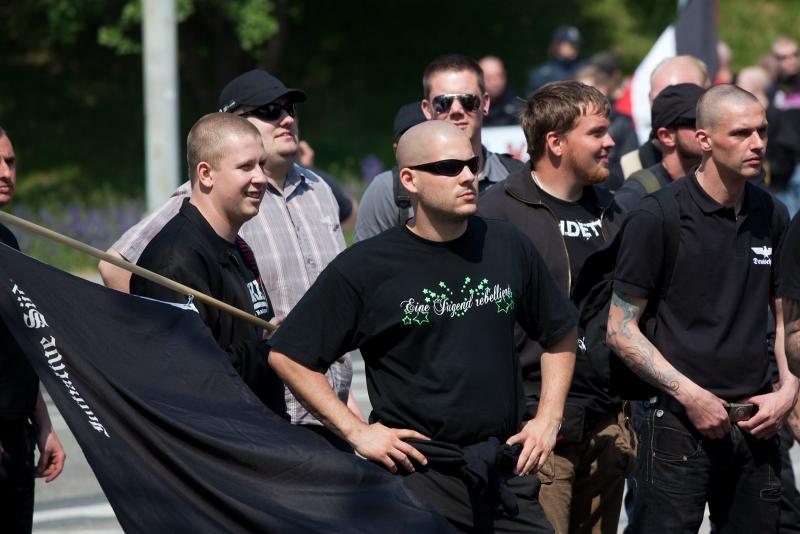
column 97, row 226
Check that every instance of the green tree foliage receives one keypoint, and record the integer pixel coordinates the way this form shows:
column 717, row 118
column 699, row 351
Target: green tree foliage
column 252, row 19
column 71, row 89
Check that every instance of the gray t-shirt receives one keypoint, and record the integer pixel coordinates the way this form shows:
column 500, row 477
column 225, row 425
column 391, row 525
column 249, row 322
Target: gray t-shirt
column 378, row 212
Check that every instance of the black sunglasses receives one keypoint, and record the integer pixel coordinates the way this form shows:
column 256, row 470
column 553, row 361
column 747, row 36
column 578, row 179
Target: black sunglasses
column 448, row 167
column 470, row 102
column 272, row 111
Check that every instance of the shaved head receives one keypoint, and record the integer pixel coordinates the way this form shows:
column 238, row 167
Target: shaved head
column 718, row 101
column 676, row 70
column 432, row 141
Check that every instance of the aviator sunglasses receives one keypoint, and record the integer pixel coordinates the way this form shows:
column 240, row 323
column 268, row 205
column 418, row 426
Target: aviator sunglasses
column 470, row 102
column 448, row 167
column 272, row 111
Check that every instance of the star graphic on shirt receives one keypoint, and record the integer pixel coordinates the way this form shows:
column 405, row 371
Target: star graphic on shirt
column 424, row 318
column 505, row 305
column 406, row 320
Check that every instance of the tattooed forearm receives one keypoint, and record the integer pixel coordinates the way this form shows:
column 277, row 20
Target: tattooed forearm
column 638, row 353
column 791, row 321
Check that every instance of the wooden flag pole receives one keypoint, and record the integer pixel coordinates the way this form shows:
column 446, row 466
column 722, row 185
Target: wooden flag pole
column 128, row 266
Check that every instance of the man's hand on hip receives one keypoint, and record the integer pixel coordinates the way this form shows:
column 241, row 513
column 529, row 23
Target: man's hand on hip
column 538, row 437
column 385, row 446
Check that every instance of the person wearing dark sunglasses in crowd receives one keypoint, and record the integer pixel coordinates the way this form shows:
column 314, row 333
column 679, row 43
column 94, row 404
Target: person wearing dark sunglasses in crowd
column 453, row 91
column 555, row 200
column 432, row 306
column 296, row 231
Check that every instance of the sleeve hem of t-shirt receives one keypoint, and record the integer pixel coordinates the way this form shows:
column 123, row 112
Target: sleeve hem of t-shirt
column 788, row 292
column 633, row 290
column 313, row 363
column 556, row 336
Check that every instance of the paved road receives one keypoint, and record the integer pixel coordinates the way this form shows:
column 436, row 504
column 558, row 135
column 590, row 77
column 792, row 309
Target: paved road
column 75, row 503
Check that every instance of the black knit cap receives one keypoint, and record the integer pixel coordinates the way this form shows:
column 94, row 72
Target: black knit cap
column 676, row 105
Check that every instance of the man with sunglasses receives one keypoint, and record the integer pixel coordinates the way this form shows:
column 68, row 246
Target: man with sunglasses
column 432, row 306
column 454, row 91
column 555, row 200
column 296, row 231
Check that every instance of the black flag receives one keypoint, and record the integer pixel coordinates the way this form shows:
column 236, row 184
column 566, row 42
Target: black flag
column 175, row 438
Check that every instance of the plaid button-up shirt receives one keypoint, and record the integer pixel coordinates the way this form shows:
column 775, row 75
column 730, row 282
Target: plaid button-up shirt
column 294, row 236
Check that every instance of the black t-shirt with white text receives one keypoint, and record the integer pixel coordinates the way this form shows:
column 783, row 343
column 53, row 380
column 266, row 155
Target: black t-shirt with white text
column 580, row 227
column 434, row 322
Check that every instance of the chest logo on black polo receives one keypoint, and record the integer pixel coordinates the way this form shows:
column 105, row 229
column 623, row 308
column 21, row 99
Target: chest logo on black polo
column 763, row 255
column 260, row 304
column 456, row 303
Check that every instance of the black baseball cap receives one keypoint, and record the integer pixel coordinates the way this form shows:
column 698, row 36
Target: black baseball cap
column 407, row 116
column 675, row 105
column 255, row 88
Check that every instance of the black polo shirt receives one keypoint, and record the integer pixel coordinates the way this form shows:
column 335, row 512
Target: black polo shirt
column 712, row 324
column 189, row 251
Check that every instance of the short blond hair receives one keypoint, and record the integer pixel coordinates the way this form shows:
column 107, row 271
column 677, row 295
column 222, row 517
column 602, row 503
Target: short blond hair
column 208, row 139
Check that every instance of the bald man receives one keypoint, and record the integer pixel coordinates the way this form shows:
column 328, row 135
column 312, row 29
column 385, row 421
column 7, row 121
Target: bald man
column 200, row 246
column 671, row 71
column 709, row 432
column 432, row 307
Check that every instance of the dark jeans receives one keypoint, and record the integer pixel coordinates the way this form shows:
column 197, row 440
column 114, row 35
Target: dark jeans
column 447, row 494
column 16, row 477
column 790, row 503
column 680, row 471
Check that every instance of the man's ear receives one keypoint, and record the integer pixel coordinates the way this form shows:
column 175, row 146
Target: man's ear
column 487, row 103
column 427, row 109
column 704, row 139
column 667, row 137
column 554, row 144
column 408, row 180
column 205, row 174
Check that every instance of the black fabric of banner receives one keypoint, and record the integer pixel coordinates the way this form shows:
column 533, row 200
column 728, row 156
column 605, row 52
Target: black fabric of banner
column 175, row 438
column 696, row 33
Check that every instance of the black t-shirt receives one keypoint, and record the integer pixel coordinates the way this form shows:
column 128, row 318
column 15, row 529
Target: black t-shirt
column 19, row 384
column 187, row 250
column 434, row 322
column 580, row 227
column 712, row 324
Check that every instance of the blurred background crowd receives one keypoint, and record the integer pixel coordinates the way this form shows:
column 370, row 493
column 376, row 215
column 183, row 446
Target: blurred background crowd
column 71, row 92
